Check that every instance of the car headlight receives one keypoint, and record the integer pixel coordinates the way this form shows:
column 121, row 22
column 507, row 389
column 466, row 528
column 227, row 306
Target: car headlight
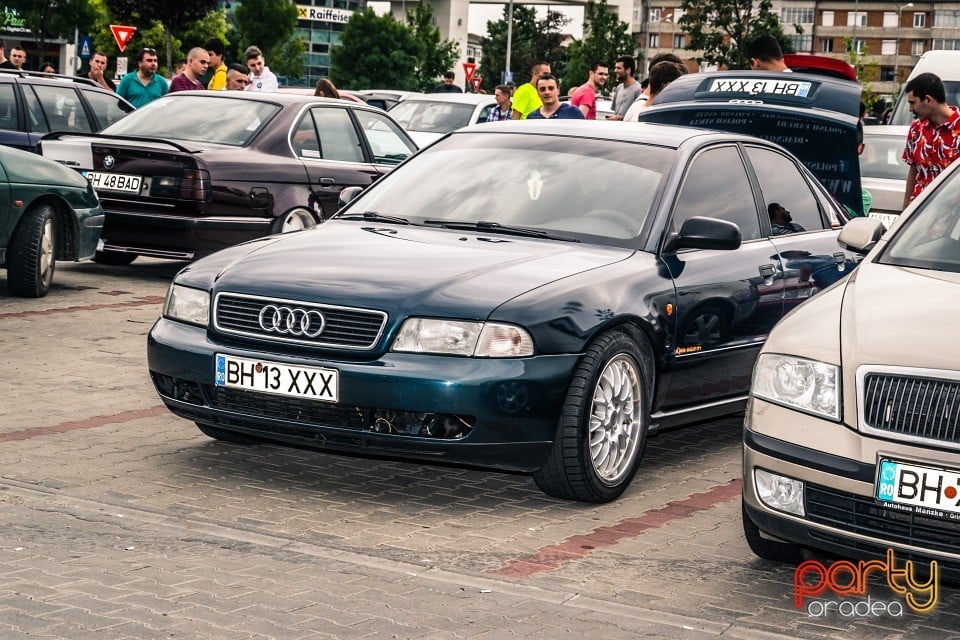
column 187, row 305
column 463, row 338
column 807, row 385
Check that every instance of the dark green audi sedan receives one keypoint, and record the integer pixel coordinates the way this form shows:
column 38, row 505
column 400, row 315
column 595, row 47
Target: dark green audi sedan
column 537, row 296
column 47, row 213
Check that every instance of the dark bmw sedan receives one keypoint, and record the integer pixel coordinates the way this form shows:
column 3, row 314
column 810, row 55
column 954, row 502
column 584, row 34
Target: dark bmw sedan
column 535, row 296
column 195, row 172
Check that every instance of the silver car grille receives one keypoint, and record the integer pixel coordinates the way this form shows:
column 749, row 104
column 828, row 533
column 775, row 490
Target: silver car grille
column 915, row 405
column 343, row 327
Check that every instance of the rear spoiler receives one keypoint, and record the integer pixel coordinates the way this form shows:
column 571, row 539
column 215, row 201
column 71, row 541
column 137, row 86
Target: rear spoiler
column 61, row 135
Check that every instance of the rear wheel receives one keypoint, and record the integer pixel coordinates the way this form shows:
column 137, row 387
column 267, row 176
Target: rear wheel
column 603, row 425
column 768, row 549
column 32, row 256
column 295, row 220
column 114, row 258
column 226, row 436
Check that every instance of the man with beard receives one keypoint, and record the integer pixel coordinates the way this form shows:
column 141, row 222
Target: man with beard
column 144, row 85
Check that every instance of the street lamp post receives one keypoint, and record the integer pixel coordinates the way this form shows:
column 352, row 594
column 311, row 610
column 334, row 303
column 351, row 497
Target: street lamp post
column 896, row 48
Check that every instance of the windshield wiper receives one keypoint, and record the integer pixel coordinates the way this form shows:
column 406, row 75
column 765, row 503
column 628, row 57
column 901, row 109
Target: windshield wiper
column 496, row 227
column 373, row 216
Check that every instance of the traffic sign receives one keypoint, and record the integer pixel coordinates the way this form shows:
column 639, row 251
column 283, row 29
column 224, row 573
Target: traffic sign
column 469, row 68
column 475, row 83
column 123, row 35
column 85, row 47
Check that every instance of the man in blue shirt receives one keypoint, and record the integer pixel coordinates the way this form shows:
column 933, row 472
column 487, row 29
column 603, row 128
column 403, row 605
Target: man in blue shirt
column 143, row 86
column 549, row 92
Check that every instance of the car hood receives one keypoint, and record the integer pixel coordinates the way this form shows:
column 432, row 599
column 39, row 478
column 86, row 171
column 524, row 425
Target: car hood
column 899, row 316
column 404, row 270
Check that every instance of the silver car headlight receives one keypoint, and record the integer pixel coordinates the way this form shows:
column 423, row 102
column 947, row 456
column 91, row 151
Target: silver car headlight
column 187, row 305
column 798, row 383
column 463, row 338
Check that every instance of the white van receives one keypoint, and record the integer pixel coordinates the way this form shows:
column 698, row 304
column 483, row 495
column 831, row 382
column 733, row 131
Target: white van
column 946, row 64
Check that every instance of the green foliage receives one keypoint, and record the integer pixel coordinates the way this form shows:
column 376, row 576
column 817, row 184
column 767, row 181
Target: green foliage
column 169, row 48
column 532, row 40
column 721, row 29
column 606, row 38
column 434, row 56
column 375, row 52
column 865, row 72
column 287, row 58
column 45, row 18
column 267, row 24
column 212, row 25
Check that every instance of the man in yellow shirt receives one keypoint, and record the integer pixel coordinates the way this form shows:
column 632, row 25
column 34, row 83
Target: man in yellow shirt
column 218, row 81
column 526, row 99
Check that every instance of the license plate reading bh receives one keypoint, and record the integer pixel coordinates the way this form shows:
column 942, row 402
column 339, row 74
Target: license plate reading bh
column 115, row 181
column 311, row 383
column 799, row 89
column 919, row 486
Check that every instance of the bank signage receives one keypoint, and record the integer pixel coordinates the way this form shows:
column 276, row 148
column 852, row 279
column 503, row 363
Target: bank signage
column 323, row 14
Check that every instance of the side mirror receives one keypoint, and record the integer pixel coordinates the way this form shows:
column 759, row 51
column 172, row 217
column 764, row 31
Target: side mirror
column 348, row 195
column 860, row 235
column 704, row 233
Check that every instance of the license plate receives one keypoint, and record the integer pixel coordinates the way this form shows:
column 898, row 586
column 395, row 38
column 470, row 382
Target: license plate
column 886, row 218
column 114, row 181
column 752, row 87
column 311, row 383
column 927, row 488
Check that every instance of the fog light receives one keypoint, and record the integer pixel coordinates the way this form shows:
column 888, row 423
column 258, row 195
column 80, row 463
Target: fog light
column 779, row 492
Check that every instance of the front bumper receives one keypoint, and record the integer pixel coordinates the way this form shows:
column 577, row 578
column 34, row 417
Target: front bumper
column 512, row 405
column 838, row 466
column 178, row 236
column 87, row 232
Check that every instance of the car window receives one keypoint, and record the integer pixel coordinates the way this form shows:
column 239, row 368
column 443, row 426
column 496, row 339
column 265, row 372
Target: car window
column 930, row 238
column 434, row 117
column 338, row 136
column 108, row 108
column 484, row 113
column 782, row 183
column 8, row 107
column 388, row 144
column 716, row 186
column 62, row 107
column 881, row 158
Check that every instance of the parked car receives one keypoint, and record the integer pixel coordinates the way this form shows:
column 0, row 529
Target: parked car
column 195, row 172
column 883, row 173
column 820, row 65
column 543, row 319
column 33, row 103
column 428, row 116
column 946, row 65
column 852, row 436
column 47, row 213
column 309, row 91
column 386, row 99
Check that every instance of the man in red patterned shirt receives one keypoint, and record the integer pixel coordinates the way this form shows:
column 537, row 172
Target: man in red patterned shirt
column 933, row 141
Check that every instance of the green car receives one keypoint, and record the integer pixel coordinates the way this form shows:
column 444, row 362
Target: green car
column 47, row 213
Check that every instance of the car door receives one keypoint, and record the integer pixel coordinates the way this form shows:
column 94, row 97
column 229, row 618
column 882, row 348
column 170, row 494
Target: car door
column 11, row 129
column 329, row 146
column 388, row 144
column 809, row 254
column 722, row 312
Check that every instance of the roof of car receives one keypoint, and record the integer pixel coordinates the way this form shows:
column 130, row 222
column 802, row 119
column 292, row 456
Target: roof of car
column 460, row 98
column 670, row 136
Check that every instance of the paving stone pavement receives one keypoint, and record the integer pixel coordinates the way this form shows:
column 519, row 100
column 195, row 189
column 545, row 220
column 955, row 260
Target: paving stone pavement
column 119, row 520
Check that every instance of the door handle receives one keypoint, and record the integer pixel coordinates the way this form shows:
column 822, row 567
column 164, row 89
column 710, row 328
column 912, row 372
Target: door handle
column 326, row 182
column 767, row 270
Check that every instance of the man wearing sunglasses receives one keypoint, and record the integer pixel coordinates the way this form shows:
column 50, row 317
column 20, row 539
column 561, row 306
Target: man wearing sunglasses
column 144, row 85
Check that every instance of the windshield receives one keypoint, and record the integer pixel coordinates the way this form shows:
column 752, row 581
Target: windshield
column 930, row 239
column 433, row 117
column 881, row 158
column 593, row 190
column 902, row 114
column 199, row 119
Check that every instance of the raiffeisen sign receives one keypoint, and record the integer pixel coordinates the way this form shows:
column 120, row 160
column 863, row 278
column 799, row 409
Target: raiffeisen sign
column 323, row 14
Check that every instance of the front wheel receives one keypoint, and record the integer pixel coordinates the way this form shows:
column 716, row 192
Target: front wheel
column 603, row 424
column 32, row 255
column 295, row 220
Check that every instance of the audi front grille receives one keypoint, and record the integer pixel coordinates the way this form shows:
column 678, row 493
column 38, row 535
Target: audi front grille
column 910, row 404
column 296, row 322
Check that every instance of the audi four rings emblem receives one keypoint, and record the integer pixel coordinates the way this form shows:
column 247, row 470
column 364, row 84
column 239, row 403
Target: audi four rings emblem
column 291, row 321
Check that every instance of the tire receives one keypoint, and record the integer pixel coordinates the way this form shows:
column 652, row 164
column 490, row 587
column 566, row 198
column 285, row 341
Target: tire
column 226, row 436
column 32, row 255
column 114, row 258
column 768, row 549
column 294, row 220
column 603, row 424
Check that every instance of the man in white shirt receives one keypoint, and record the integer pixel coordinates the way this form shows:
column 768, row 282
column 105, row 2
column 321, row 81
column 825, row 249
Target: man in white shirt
column 261, row 78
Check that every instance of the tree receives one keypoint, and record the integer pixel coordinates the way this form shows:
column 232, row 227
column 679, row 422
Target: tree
column 721, row 29
column 605, row 38
column 865, row 73
column 267, row 24
column 375, row 52
column 56, row 18
column 532, row 40
column 434, row 56
column 174, row 17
